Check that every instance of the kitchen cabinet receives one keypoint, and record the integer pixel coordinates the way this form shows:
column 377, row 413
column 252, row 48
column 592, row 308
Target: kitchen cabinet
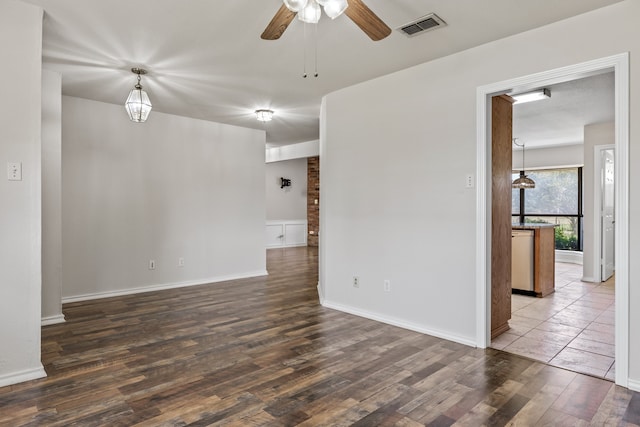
column 522, row 261
column 544, row 256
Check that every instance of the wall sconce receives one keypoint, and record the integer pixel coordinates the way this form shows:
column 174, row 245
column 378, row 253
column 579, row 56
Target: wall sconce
column 285, row 182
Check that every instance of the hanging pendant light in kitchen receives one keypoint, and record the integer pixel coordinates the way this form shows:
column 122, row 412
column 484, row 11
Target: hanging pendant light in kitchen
column 523, row 181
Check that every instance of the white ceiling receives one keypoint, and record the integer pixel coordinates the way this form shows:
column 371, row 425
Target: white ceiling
column 560, row 119
column 206, row 59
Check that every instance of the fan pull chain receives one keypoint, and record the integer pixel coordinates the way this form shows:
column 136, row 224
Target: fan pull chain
column 315, row 50
column 304, row 48
column 315, row 47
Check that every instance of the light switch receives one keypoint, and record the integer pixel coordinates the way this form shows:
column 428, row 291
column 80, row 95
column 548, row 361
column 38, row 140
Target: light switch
column 469, row 181
column 14, row 171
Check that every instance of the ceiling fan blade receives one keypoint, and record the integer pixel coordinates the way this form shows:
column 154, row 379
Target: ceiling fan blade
column 368, row 21
column 278, row 24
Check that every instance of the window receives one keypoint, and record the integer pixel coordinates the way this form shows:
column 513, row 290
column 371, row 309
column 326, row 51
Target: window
column 556, row 199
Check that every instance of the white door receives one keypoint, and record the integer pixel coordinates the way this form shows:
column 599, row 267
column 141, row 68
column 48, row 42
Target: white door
column 607, row 222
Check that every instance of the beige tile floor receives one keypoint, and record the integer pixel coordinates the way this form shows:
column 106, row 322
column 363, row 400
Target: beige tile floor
column 572, row 328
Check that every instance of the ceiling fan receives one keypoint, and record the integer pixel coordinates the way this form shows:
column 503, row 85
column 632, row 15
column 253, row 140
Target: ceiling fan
column 309, row 11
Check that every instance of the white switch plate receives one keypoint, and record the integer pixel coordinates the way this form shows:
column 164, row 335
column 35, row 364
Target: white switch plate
column 180, row 262
column 469, row 181
column 14, row 171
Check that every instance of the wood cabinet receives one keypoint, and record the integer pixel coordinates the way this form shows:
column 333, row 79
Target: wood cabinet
column 544, row 257
column 544, row 260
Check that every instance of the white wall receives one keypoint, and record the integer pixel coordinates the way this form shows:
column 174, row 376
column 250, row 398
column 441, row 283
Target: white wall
column 289, row 202
column 51, row 198
column 406, row 215
column 293, row 151
column 550, row 157
column 595, row 134
column 170, row 188
column 20, row 244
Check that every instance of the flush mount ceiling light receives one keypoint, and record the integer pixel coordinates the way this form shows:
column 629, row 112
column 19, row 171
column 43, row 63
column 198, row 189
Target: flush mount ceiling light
column 534, row 95
column 138, row 105
column 523, row 181
column 264, row 115
column 309, row 10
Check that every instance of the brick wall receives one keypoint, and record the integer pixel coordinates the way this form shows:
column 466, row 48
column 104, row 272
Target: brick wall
column 313, row 200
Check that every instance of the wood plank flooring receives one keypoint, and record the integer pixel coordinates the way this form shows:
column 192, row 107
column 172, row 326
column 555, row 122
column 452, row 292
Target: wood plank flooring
column 263, row 352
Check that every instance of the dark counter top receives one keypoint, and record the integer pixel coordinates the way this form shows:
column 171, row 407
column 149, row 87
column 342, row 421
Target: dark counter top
column 530, row 226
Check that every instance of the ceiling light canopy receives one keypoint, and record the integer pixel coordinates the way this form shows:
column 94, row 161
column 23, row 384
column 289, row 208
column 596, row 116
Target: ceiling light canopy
column 534, row 95
column 309, row 11
column 264, row 115
column 138, row 105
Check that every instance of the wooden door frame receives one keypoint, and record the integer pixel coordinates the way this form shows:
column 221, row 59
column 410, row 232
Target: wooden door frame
column 619, row 64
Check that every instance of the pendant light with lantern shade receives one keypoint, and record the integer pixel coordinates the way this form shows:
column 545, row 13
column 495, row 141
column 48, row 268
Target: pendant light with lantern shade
column 138, row 105
column 523, row 181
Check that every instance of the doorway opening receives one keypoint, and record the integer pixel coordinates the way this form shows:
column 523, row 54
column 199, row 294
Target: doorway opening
column 619, row 65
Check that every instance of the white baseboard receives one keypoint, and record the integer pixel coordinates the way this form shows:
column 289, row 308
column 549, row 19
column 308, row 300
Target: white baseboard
column 571, row 257
column 151, row 288
column 320, row 294
column 399, row 323
column 52, row 320
column 588, row 279
column 633, row 385
column 22, row 376
column 295, row 245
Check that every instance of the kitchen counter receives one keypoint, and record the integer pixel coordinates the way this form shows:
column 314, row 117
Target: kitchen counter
column 530, row 226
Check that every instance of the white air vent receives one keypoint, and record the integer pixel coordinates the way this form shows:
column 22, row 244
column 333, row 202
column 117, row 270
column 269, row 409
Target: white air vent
column 422, row 25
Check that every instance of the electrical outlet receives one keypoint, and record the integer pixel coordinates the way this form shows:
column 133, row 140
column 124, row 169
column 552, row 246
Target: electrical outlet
column 152, row 264
column 356, row 282
column 387, row 285
column 180, row 262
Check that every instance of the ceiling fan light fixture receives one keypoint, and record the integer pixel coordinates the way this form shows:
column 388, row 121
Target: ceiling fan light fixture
column 138, row 105
column 357, row 11
column 264, row 115
column 334, row 8
column 311, row 13
column 295, row 5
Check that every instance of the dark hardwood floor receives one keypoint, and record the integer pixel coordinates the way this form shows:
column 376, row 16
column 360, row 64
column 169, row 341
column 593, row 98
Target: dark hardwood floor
column 263, row 352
